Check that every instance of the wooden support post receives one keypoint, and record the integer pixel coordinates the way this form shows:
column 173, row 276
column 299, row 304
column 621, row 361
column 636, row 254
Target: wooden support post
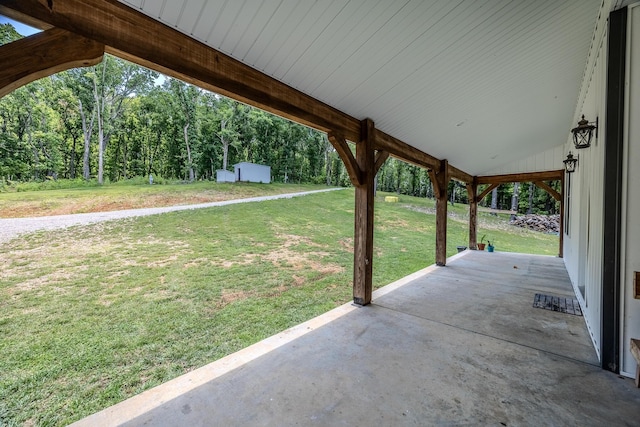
column 472, row 189
column 442, row 179
column 363, row 236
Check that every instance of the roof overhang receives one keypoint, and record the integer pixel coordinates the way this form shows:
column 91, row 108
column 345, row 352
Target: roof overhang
column 480, row 83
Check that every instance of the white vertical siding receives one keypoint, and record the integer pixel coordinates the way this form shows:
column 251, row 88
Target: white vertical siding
column 583, row 244
column 547, row 160
column 631, row 196
column 583, row 247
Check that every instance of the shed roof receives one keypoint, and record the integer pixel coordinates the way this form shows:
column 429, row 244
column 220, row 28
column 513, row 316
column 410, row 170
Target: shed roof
column 481, row 83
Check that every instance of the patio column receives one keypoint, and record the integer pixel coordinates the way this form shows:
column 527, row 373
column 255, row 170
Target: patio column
column 363, row 236
column 472, row 189
column 362, row 170
column 440, row 181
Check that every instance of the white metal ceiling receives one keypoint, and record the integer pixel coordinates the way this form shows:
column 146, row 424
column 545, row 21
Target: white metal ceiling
column 478, row 82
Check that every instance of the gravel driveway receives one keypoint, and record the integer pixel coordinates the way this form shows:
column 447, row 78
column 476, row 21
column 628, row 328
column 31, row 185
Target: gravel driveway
column 13, row 227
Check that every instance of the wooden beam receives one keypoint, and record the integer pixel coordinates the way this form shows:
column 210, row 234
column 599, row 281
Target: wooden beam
column 363, row 236
column 472, row 189
column 345, row 153
column 381, row 157
column 486, row 191
column 458, row 175
column 549, row 190
column 442, row 179
column 133, row 36
column 43, row 54
column 24, row 18
column 404, row 151
column 521, row 177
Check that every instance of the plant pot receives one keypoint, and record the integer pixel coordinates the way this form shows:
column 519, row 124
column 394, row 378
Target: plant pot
column 481, row 246
column 489, row 248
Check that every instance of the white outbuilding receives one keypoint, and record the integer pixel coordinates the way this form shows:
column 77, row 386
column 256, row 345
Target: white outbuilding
column 225, row 176
column 251, row 172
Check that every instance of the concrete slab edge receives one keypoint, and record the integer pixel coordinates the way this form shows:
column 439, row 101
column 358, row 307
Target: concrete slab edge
column 413, row 276
column 157, row 396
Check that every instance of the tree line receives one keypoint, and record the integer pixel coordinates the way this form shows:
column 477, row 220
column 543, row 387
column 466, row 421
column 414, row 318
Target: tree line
column 117, row 120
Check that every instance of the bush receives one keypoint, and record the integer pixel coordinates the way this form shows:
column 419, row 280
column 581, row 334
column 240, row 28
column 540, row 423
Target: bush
column 144, row 180
column 50, row 184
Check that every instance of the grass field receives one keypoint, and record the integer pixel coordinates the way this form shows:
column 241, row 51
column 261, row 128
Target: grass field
column 131, row 196
column 92, row 315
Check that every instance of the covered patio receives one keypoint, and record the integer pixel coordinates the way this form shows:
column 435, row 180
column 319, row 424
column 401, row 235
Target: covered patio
column 460, row 345
column 481, row 92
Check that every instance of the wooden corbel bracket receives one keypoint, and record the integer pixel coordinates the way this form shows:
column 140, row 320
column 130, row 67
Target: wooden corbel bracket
column 381, row 157
column 345, row 153
column 548, row 189
column 440, row 179
column 486, row 191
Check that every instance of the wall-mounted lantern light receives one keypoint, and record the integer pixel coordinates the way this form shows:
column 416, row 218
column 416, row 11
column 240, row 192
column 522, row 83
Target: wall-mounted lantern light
column 583, row 133
column 570, row 163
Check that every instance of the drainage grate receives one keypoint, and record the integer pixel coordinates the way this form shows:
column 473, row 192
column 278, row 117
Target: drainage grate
column 563, row 305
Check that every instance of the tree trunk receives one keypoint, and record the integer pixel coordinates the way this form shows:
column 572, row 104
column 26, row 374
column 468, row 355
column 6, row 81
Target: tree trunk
column 72, row 157
column 30, row 143
column 532, row 188
column 494, row 200
column 186, row 141
column 225, row 144
column 328, row 163
column 100, row 153
column 99, row 108
column 87, row 130
column 453, row 195
column 514, row 200
column 125, row 156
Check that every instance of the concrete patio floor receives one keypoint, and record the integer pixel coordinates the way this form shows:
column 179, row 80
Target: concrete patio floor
column 449, row 346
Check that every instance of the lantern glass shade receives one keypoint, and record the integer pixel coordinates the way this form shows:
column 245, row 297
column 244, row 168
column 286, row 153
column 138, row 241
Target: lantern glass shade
column 583, row 133
column 570, row 163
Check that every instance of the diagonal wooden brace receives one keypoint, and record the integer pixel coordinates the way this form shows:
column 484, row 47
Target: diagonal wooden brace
column 44, row 54
column 548, row 189
column 345, row 153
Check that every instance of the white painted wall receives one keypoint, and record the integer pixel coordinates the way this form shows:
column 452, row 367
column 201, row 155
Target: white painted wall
column 251, row 172
column 225, row 176
column 583, row 245
column 631, row 191
column 583, row 238
column 547, row 160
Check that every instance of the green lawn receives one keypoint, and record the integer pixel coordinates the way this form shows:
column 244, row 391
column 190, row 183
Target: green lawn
column 92, row 315
column 129, row 195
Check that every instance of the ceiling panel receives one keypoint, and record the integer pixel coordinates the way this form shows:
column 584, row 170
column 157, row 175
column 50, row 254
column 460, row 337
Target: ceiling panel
column 152, row 8
column 478, row 82
column 191, row 13
column 171, row 12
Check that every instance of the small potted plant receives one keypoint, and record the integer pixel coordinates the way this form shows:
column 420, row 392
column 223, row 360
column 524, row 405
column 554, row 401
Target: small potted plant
column 489, row 246
column 481, row 245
